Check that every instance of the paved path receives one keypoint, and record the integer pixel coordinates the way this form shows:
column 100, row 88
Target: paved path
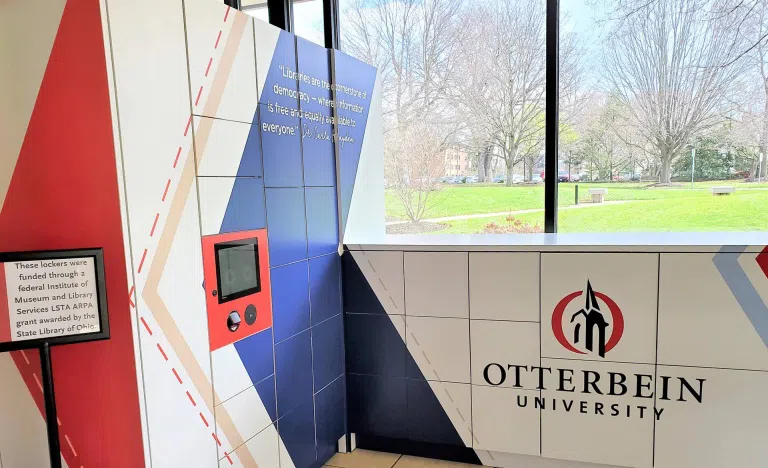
column 512, row 213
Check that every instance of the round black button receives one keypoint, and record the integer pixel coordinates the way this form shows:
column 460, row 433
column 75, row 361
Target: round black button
column 233, row 321
column 250, row 314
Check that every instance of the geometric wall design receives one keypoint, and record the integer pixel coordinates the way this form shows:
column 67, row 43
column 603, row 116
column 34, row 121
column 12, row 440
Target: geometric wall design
column 424, row 329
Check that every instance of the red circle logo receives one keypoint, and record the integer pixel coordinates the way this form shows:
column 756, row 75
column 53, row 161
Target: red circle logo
column 590, row 325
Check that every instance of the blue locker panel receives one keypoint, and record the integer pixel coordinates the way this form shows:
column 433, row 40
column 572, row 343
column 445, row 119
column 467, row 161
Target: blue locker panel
column 281, row 146
column 322, row 221
column 373, row 346
column 290, row 299
column 377, row 405
column 328, row 351
column 330, row 418
column 324, row 287
column 287, row 226
column 293, row 372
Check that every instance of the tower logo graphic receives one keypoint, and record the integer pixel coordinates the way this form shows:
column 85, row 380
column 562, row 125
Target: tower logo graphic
column 589, row 325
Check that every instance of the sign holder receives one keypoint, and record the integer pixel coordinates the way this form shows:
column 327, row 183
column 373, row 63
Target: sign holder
column 70, row 260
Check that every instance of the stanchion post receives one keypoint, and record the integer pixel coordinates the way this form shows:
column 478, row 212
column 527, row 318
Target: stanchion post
column 51, row 421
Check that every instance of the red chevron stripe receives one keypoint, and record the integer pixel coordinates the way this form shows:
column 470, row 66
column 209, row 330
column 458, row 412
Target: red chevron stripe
column 762, row 260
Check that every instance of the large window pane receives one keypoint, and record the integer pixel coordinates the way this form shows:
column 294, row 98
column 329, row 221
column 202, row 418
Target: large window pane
column 256, row 8
column 308, row 20
column 463, row 90
column 662, row 101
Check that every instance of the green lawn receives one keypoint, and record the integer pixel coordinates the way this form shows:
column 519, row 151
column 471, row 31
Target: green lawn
column 651, row 209
column 464, row 199
column 745, row 211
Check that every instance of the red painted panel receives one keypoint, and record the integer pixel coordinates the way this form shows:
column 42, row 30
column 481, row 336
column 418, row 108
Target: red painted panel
column 218, row 333
column 64, row 194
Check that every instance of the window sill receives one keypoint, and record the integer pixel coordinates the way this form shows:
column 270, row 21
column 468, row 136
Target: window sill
column 664, row 241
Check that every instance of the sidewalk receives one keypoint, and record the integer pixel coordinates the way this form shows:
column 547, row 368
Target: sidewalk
column 512, row 213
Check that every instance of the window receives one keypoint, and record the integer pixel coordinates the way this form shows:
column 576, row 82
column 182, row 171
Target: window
column 308, row 20
column 661, row 102
column 256, row 8
column 464, row 110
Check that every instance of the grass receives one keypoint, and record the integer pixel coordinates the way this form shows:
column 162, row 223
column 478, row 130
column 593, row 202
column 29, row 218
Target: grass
column 745, row 211
column 463, row 199
column 676, row 208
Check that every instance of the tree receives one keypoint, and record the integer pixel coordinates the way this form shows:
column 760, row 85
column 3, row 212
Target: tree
column 671, row 67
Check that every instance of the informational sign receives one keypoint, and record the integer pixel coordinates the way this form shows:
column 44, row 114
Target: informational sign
column 55, row 297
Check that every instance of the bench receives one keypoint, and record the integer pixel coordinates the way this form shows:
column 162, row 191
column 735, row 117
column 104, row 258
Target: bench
column 598, row 194
column 722, row 190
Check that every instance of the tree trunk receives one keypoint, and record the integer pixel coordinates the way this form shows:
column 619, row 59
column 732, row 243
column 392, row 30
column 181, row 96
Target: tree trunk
column 481, row 173
column 666, row 169
column 529, row 169
column 487, row 164
column 508, row 182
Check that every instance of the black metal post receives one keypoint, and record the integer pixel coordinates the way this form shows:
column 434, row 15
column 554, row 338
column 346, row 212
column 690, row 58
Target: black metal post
column 281, row 14
column 51, row 420
column 552, row 116
column 233, row 3
column 331, row 22
column 577, row 194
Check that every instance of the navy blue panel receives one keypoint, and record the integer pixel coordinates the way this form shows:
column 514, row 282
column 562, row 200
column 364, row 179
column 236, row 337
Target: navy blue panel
column 427, row 421
column 324, row 287
column 351, row 73
column 359, row 298
column 373, row 346
column 250, row 163
column 322, row 221
column 293, row 371
column 328, row 351
column 315, row 67
column 330, row 415
column 319, row 157
column 297, row 429
column 283, row 60
column 377, row 405
column 290, row 299
column 256, row 354
column 281, row 145
column 287, row 225
column 245, row 210
column 266, row 391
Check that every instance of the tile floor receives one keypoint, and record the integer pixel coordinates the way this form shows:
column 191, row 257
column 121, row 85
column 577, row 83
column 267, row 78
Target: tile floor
column 367, row 459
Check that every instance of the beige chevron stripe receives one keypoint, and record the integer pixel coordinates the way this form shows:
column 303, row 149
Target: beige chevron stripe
column 179, row 199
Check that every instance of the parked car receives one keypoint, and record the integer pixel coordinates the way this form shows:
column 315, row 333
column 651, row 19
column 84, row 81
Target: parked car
column 472, row 179
column 537, row 178
column 454, row 180
column 500, row 179
column 517, row 179
column 563, row 177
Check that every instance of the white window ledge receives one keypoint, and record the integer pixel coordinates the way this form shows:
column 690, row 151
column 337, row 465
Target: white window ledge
column 665, row 241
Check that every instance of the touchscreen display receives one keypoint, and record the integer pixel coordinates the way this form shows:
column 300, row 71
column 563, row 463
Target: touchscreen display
column 237, row 266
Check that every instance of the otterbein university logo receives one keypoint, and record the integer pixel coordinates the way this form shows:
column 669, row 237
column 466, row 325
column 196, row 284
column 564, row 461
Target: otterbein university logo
column 590, row 323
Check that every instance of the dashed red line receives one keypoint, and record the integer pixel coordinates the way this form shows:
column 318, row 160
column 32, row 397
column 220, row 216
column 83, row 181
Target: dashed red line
column 37, row 381
column 69, row 442
column 189, row 395
column 210, row 62
column 218, row 38
column 143, row 257
column 177, row 375
column 130, row 298
column 154, row 225
column 227, row 13
column 146, row 326
column 162, row 352
column 228, row 459
column 175, row 161
column 24, row 355
column 189, row 123
column 216, row 438
column 199, row 93
column 204, row 420
column 165, row 192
